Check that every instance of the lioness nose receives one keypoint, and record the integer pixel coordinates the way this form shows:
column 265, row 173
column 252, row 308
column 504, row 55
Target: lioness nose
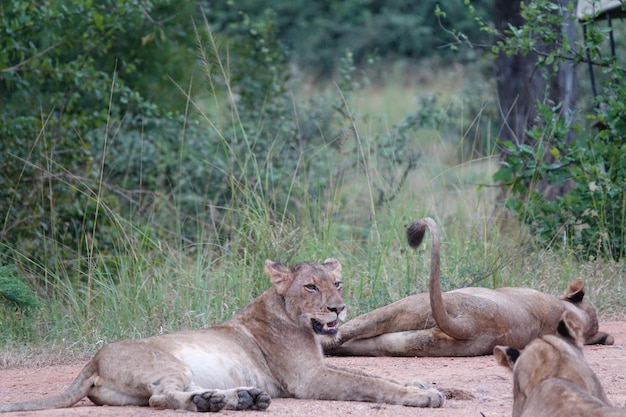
column 336, row 310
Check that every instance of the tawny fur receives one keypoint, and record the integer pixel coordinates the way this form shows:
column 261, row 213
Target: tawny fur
column 552, row 379
column 268, row 349
column 463, row 322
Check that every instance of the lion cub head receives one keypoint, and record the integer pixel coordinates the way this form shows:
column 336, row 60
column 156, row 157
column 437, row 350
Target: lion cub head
column 311, row 292
column 551, row 376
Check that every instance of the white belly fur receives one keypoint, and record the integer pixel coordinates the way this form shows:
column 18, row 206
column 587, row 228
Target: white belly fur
column 214, row 369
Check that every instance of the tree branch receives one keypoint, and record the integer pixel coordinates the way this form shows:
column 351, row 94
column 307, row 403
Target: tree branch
column 17, row 67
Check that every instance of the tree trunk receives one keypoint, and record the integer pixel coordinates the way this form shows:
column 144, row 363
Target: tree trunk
column 520, row 84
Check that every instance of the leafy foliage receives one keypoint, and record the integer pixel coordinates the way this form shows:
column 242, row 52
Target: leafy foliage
column 130, row 186
column 111, row 141
column 591, row 216
column 14, row 292
column 318, row 34
column 263, row 137
column 68, row 70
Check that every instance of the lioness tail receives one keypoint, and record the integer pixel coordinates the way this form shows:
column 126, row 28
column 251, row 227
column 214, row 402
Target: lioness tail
column 415, row 234
column 77, row 390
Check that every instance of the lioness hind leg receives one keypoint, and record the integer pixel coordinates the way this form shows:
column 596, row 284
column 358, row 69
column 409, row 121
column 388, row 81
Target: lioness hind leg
column 209, row 401
column 231, row 399
column 170, row 393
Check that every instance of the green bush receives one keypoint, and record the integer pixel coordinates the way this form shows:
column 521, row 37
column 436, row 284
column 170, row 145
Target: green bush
column 262, row 135
column 15, row 292
column 318, row 34
column 69, row 69
column 591, row 217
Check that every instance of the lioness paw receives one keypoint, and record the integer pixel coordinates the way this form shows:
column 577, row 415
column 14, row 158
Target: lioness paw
column 253, row 399
column 330, row 341
column 424, row 398
column 437, row 398
column 419, row 383
column 209, row 401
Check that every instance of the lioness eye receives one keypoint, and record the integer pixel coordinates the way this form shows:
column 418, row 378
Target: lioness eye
column 311, row 287
column 338, row 285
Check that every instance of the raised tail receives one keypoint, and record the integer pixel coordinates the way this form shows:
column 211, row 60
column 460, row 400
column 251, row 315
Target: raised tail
column 77, row 390
column 415, row 234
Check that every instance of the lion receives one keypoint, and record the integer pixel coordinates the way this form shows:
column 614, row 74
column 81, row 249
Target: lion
column 269, row 349
column 551, row 377
column 463, row 322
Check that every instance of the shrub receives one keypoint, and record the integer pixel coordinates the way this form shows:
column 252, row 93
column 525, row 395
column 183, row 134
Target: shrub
column 591, row 217
column 15, row 292
column 68, row 70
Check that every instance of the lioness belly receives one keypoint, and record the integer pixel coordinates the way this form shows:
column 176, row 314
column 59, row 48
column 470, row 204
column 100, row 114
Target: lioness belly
column 220, row 359
column 216, row 368
column 513, row 316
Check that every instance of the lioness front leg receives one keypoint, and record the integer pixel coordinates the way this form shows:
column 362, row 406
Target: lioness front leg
column 357, row 327
column 419, row 383
column 337, row 384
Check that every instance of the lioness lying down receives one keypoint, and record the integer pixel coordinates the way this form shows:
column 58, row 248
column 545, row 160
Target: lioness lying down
column 268, row 349
column 464, row 322
column 551, row 377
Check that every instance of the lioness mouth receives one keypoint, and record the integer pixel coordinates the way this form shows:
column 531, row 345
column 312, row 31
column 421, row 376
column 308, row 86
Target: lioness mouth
column 324, row 328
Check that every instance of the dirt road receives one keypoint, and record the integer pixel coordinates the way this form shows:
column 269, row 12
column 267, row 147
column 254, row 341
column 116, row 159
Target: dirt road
column 478, row 386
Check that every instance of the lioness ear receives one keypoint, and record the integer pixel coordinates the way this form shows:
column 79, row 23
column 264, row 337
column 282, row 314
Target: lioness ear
column 575, row 291
column 280, row 275
column 571, row 327
column 334, row 266
column 506, row 356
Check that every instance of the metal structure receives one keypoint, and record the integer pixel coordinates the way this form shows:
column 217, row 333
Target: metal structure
column 600, row 10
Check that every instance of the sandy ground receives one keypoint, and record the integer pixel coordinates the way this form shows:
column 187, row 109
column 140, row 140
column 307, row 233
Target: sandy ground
column 479, row 386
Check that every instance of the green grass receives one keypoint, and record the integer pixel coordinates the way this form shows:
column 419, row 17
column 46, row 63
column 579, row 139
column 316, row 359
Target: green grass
column 147, row 286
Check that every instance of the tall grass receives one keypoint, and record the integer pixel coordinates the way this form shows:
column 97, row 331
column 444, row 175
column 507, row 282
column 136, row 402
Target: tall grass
column 147, row 286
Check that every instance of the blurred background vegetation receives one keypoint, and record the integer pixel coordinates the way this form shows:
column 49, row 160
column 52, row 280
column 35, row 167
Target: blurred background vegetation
column 154, row 153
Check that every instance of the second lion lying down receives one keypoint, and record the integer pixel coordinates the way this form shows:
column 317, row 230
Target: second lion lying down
column 464, row 322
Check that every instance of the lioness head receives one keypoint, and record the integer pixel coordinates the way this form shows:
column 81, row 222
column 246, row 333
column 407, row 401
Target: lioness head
column 312, row 293
column 550, row 356
column 575, row 294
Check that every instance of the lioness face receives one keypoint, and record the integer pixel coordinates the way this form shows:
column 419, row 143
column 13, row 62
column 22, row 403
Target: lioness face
column 312, row 293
